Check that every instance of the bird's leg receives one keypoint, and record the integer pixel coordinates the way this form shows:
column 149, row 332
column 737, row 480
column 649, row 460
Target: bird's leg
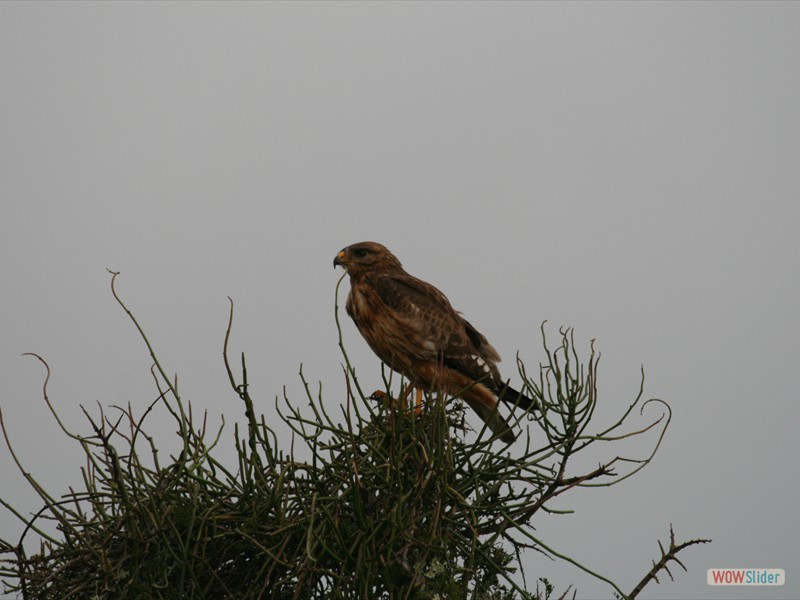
column 402, row 401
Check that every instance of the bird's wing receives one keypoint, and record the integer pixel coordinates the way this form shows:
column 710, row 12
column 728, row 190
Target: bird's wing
column 439, row 331
column 470, row 353
column 421, row 311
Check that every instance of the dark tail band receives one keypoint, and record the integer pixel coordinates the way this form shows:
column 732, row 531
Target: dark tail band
column 513, row 397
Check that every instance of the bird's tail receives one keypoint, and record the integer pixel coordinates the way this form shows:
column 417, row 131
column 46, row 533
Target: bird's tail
column 493, row 419
column 515, row 398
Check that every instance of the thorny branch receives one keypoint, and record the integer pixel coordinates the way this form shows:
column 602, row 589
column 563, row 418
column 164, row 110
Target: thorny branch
column 663, row 564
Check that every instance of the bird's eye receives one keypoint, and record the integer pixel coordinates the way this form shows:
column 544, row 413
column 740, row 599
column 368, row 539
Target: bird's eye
column 360, row 252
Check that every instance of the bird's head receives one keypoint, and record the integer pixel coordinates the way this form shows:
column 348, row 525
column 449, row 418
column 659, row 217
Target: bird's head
column 365, row 256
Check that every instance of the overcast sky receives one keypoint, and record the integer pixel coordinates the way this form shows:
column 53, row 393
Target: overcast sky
column 631, row 169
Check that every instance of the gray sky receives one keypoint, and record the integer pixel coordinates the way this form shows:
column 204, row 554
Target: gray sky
column 629, row 169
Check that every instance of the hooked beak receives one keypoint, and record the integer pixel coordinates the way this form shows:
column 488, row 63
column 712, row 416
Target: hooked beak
column 338, row 261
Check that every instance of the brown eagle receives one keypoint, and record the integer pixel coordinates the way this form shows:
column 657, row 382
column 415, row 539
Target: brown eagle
column 412, row 328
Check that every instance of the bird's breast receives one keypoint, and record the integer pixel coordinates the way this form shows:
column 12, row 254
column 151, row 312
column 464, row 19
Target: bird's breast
column 388, row 336
column 358, row 302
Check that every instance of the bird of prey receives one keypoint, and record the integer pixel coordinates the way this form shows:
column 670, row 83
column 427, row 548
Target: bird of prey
column 414, row 330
